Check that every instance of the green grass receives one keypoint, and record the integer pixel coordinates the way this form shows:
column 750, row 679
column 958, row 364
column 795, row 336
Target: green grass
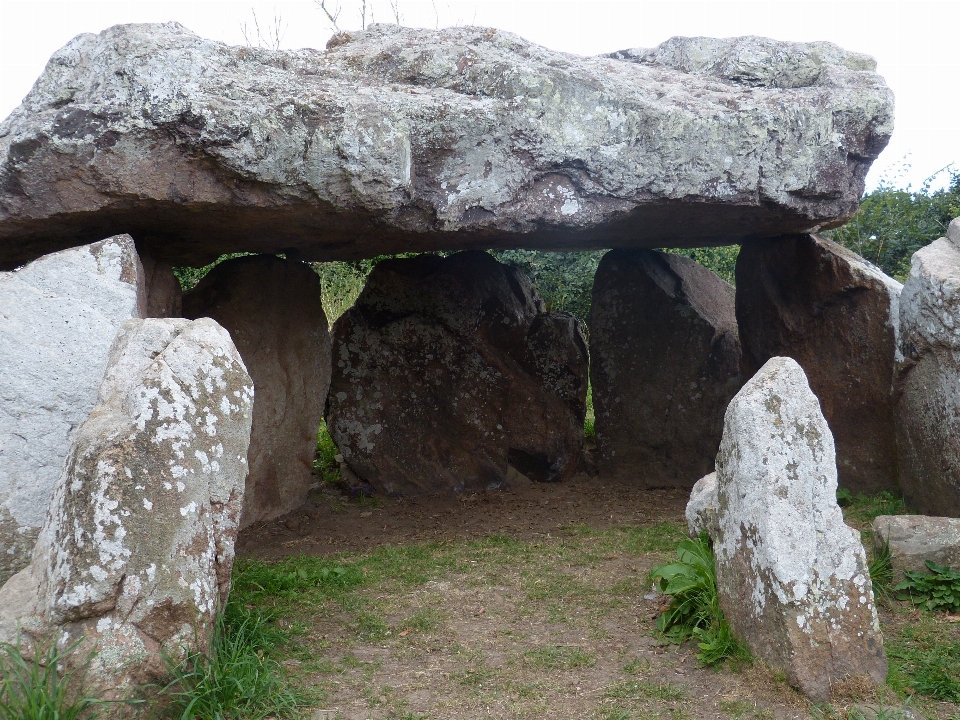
column 925, row 659
column 862, row 509
column 640, row 690
column 47, row 685
column 237, row 679
column 558, row 657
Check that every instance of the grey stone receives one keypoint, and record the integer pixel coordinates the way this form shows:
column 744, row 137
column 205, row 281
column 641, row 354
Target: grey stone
column 448, row 372
column 401, row 139
column 702, row 509
column 58, row 318
column 914, row 539
column 273, row 311
column 792, row 577
column 665, row 361
column 837, row 315
column 927, row 387
column 136, row 550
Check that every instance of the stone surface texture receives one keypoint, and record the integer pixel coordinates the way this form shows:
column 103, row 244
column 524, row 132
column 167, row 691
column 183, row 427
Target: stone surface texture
column 914, row 539
column 400, row 139
column 137, row 547
column 702, row 509
column 927, row 388
column 792, row 577
column 58, row 318
column 273, row 311
column 447, row 373
column 665, row 361
column 837, row 315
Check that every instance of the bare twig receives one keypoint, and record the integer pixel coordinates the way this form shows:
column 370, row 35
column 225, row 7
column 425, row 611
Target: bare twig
column 332, row 15
column 270, row 38
column 395, row 7
column 436, row 15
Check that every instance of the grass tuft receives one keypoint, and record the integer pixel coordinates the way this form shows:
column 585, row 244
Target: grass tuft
column 39, row 687
column 236, row 678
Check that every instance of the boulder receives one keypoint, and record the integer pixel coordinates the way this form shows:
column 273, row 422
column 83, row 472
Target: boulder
column 927, row 387
column 837, row 315
column 273, row 311
column 448, row 374
column 402, row 139
column 58, row 318
column 135, row 554
column 914, row 539
column 665, row 361
column 702, row 509
column 792, row 577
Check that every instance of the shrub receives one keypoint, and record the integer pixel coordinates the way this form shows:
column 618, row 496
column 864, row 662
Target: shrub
column 695, row 608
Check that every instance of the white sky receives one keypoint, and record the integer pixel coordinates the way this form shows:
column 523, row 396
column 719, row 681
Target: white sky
column 915, row 43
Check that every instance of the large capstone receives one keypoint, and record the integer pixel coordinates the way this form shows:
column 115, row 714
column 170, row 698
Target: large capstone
column 274, row 313
column 135, row 554
column 665, row 361
column 837, row 315
column 927, row 391
column 792, row 577
column 400, row 139
column 58, row 318
column 449, row 375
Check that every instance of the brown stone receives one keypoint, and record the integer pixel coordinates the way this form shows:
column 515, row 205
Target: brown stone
column 665, row 361
column 272, row 309
column 811, row 299
column 447, row 372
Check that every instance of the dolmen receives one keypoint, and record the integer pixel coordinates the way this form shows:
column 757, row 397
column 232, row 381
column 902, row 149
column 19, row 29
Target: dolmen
column 139, row 424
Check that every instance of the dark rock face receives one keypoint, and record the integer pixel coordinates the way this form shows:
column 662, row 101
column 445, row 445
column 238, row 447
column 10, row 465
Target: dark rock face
column 927, row 387
column 273, row 311
column 810, row 299
column 447, row 371
column 399, row 139
column 665, row 361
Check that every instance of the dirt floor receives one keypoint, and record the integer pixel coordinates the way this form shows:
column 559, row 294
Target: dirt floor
column 532, row 603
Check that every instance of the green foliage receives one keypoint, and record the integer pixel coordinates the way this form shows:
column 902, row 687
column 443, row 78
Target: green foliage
column 559, row 657
column 236, row 678
column 695, row 608
column 881, row 572
column 925, row 659
column 937, row 590
column 288, row 578
column 892, row 223
column 190, row 276
column 864, row 508
column 325, row 463
column 341, row 284
column 39, row 688
column 563, row 279
column 590, row 418
column 721, row 260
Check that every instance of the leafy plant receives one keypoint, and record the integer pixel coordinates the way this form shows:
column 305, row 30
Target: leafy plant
column 236, row 678
column 721, row 260
column 39, row 687
column 325, row 461
column 937, row 590
column 695, row 608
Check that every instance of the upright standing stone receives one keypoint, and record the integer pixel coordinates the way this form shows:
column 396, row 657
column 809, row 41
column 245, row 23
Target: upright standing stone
column 792, row 577
column 274, row 313
column 665, row 361
column 447, row 371
column 927, row 392
column 135, row 554
column 808, row 298
column 58, row 317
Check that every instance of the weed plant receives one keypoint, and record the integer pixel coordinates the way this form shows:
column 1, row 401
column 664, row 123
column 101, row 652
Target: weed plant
column 695, row 610
column 937, row 590
column 40, row 687
column 325, row 461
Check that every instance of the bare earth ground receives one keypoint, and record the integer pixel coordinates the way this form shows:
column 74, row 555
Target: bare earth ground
column 532, row 603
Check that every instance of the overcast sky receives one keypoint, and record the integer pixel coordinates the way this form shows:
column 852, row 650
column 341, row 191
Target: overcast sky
column 915, row 43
